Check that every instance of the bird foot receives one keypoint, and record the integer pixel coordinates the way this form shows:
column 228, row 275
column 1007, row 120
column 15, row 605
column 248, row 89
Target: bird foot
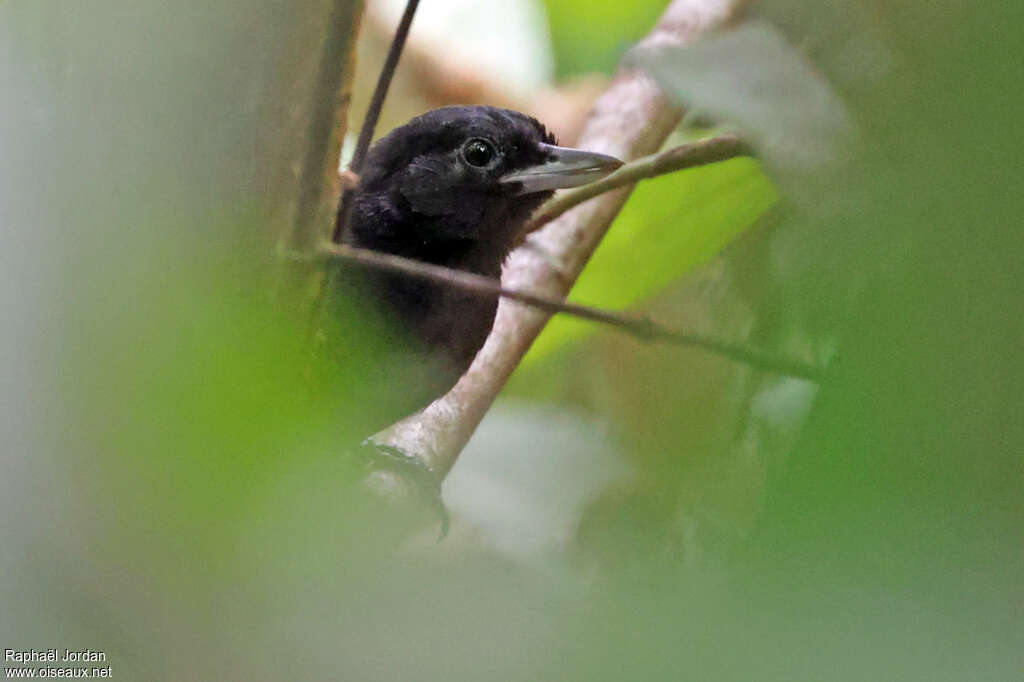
column 411, row 470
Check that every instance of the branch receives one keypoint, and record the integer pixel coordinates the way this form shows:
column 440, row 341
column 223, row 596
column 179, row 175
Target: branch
column 373, row 113
column 691, row 155
column 631, row 119
column 641, row 327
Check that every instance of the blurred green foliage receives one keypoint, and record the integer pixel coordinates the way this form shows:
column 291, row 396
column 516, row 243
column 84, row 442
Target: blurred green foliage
column 591, row 36
column 174, row 491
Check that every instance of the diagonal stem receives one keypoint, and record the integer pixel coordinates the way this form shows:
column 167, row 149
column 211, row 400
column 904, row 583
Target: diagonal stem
column 373, row 114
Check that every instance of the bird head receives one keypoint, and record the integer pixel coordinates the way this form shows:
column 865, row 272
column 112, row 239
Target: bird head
column 472, row 172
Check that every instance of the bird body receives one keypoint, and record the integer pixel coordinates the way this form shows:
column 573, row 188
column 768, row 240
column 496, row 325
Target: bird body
column 454, row 187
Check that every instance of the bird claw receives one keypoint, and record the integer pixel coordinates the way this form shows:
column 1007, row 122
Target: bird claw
column 410, row 468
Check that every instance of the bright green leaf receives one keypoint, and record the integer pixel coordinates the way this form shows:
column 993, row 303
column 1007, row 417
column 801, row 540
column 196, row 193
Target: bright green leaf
column 669, row 226
column 591, row 36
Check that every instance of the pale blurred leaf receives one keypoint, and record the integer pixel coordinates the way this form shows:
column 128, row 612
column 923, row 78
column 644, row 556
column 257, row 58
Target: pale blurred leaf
column 750, row 77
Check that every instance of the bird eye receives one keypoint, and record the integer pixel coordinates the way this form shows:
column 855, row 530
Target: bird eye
column 478, row 152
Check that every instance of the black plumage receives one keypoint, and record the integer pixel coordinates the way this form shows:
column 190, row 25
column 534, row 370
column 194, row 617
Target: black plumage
column 454, row 187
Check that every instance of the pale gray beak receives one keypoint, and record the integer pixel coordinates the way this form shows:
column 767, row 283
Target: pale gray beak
column 564, row 168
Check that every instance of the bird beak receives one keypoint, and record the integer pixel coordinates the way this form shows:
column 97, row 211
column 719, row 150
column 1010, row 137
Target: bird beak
column 563, row 168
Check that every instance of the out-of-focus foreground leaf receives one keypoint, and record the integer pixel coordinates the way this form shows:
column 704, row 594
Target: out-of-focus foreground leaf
column 172, row 469
column 869, row 527
column 171, row 488
column 751, row 78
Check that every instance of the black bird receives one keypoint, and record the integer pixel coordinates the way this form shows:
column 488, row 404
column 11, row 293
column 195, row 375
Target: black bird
column 453, row 187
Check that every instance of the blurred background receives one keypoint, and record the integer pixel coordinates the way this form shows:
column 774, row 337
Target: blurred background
column 173, row 488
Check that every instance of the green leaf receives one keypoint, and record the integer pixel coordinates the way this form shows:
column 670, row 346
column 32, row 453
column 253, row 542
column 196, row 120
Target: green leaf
column 591, row 36
column 670, row 225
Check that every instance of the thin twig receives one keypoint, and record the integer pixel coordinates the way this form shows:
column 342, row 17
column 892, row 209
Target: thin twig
column 373, row 113
column 641, row 327
column 700, row 153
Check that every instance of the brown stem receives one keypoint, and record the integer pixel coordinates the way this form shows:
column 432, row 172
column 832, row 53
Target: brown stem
column 373, row 113
column 639, row 326
column 690, row 155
